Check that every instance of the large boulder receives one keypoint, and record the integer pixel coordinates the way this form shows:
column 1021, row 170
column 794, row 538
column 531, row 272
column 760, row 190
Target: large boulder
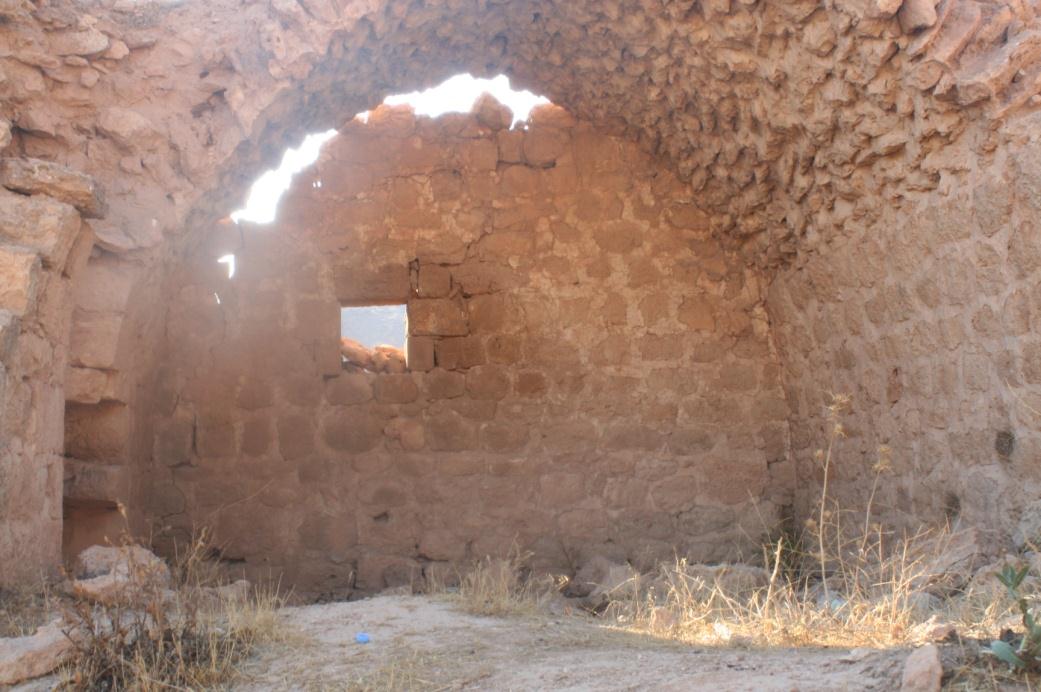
column 110, row 574
column 24, row 658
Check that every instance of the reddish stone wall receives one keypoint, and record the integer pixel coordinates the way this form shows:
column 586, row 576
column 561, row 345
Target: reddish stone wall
column 589, row 372
column 930, row 319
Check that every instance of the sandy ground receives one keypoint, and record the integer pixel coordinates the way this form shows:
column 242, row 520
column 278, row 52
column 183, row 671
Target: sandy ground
column 428, row 644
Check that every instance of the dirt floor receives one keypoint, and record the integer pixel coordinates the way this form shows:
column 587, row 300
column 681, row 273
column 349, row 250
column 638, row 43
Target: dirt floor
column 429, row 644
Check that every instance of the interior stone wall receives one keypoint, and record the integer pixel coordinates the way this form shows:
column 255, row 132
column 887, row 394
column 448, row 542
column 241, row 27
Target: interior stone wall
column 929, row 318
column 590, row 373
column 787, row 121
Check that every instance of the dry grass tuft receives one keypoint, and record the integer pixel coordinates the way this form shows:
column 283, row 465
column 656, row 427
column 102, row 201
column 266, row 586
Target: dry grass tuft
column 23, row 610
column 190, row 636
column 842, row 581
column 412, row 670
column 501, row 587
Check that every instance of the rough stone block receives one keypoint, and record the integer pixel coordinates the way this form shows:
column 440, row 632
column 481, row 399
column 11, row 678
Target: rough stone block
column 347, row 431
column 97, row 432
column 697, row 313
column 444, row 384
column 618, row 236
column 436, row 317
column 396, row 389
column 386, row 284
column 93, row 482
column 257, row 436
column 459, row 353
column 488, row 382
column 349, row 388
column 129, row 129
column 39, row 223
column 531, row 383
column 20, row 269
column 435, row 281
column 408, row 432
column 94, row 342
column 85, row 385
column 487, row 313
column 420, row 350
column 518, row 181
column 106, row 284
column 492, row 114
column 296, row 436
column 450, row 432
column 255, row 393
column 36, row 177
column 667, row 347
column 498, row 436
column 216, row 437
column 544, row 145
column 504, row 348
column 174, row 440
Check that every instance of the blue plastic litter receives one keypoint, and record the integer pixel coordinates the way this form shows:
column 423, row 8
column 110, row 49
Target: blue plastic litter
column 362, row 638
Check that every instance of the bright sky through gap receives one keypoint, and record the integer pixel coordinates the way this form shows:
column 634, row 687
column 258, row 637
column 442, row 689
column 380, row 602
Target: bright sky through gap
column 455, row 95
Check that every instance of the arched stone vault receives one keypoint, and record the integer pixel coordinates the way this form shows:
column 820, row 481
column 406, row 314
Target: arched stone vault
column 798, row 127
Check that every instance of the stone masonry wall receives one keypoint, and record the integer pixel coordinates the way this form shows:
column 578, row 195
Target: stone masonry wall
column 589, row 372
column 787, row 120
column 930, row 319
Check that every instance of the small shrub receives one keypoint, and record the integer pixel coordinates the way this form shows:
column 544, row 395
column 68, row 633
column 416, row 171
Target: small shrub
column 152, row 637
column 504, row 586
column 1027, row 655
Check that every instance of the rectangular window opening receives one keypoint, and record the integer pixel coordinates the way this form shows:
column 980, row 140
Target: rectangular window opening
column 373, row 337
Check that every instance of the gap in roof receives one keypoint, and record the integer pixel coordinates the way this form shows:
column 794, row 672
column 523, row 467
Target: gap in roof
column 455, row 95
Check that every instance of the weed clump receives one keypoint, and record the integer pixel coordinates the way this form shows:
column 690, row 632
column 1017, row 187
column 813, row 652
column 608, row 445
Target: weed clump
column 188, row 632
column 504, row 586
column 842, row 580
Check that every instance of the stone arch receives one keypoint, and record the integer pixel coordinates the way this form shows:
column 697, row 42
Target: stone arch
column 780, row 116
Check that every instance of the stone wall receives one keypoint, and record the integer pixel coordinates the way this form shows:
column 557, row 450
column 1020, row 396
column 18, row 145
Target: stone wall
column 44, row 244
column 929, row 319
column 787, row 121
column 589, row 372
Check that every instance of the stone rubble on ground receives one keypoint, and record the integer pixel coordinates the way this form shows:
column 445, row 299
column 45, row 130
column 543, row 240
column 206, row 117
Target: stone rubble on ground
column 24, row 658
column 923, row 671
column 109, row 574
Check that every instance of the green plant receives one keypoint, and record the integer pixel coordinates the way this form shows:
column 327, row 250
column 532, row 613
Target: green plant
column 1026, row 656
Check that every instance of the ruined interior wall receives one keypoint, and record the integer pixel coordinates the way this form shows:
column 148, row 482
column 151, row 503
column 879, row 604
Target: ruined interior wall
column 43, row 245
column 763, row 108
column 929, row 318
column 590, row 372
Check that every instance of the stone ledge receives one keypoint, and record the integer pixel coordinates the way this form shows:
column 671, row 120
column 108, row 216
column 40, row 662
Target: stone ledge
column 91, row 482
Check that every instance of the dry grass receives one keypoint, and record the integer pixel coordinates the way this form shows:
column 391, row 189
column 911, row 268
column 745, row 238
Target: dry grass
column 190, row 636
column 412, row 670
column 501, row 587
column 842, row 581
column 23, row 610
